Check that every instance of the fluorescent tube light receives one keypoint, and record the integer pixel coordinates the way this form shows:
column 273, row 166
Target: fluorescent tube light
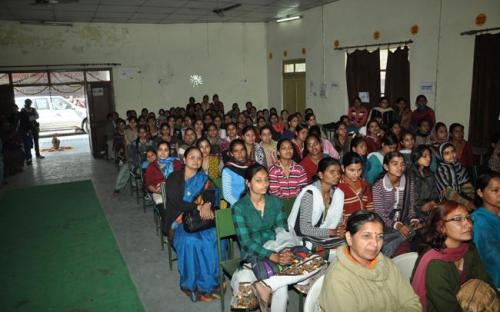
column 288, row 18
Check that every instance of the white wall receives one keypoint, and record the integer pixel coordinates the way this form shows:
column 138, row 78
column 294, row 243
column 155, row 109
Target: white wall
column 230, row 58
column 353, row 22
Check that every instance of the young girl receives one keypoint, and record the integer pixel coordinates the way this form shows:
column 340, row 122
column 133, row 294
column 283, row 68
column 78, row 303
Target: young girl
column 357, row 192
column 452, row 179
column 464, row 151
column 268, row 145
column 255, row 152
column 211, row 162
column 358, row 146
column 286, row 177
column 375, row 159
column 341, row 141
column 407, row 144
column 439, row 136
column 383, row 113
column 373, row 136
column 423, row 134
column 299, row 142
column 426, row 195
column 358, row 114
column 312, row 156
column 393, row 200
column 317, row 211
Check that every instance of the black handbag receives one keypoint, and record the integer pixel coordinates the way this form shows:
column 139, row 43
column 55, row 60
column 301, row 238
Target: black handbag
column 192, row 221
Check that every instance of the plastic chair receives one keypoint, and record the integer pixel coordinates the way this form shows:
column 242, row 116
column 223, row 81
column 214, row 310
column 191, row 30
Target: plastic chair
column 312, row 300
column 225, row 230
column 406, row 263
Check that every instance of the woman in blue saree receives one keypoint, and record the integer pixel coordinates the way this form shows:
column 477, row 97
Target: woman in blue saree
column 196, row 252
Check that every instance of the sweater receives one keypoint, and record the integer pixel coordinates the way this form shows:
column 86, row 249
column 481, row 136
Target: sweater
column 349, row 286
column 233, row 186
column 443, row 281
column 374, row 166
column 286, row 186
column 254, row 230
column 486, row 237
column 355, row 200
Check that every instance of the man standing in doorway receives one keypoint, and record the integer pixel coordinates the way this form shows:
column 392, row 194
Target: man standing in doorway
column 29, row 129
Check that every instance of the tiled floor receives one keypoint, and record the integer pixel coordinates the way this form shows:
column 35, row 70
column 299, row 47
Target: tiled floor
column 133, row 229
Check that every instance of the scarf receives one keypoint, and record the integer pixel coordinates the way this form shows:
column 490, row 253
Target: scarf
column 331, row 216
column 447, row 254
column 239, row 169
column 167, row 165
column 454, row 172
column 194, row 186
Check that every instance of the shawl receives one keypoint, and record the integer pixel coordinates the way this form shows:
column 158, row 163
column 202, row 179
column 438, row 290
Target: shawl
column 450, row 174
column 167, row 165
column 419, row 278
column 194, row 186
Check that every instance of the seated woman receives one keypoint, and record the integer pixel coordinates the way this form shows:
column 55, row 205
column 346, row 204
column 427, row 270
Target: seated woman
column 196, row 252
column 375, row 159
column 487, row 224
column 233, row 173
column 341, row 141
column 407, row 145
column 286, row 177
column 463, row 148
column 326, row 146
column 393, row 200
column 214, row 139
column 439, row 136
column 317, row 212
column 357, row 192
column 373, row 136
column 449, row 260
column 188, row 141
column 312, row 155
column 136, row 155
column 452, row 180
column 422, row 179
column 256, row 217
column 211, row 162
column 268, row 146
column 299, row 142
column 361, row 278
column 159, row 170
column 255, row 152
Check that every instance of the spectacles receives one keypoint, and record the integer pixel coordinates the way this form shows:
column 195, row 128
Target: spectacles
column 460, row 219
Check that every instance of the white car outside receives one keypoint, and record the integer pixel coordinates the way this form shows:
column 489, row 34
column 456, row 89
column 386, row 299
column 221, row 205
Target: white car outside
column 56, row 113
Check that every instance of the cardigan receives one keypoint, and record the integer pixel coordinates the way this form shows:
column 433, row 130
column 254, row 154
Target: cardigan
column 352, row 200
column 286, row 186
column 254, row 230
column 443, row 281
column 349, row 287
column 310, row 167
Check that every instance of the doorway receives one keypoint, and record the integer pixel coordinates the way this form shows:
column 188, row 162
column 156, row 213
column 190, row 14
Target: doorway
column 294, row 85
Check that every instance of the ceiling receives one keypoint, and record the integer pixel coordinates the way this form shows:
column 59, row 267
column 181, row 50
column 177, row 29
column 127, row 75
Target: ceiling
column 153, row 11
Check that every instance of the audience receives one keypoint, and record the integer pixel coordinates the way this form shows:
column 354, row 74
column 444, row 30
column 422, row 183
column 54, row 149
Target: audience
column 268, row 145
column 233, row 173
column 312, row 155
column 462, row 147
column 361, row 278
column 375, row 159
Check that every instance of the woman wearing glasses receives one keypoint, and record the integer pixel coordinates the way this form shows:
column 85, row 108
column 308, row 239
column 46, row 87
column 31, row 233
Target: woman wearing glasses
column 450, row 259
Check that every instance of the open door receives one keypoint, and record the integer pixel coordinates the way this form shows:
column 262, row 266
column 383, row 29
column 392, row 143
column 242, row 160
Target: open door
column 100, row 100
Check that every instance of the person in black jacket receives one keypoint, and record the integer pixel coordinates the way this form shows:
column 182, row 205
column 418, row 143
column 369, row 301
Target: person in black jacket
column 28, row 130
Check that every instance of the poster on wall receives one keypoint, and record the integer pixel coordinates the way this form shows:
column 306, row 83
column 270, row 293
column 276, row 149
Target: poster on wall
column 427, row 87
column 364, row 96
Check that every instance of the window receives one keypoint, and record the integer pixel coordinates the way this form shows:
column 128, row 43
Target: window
column 42, row 104
column 383, row 66
column 294, row 66
column 60, row 104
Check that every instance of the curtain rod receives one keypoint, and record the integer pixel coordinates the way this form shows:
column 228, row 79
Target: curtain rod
column 473, row 32
column 62, row 65
column 375, row 45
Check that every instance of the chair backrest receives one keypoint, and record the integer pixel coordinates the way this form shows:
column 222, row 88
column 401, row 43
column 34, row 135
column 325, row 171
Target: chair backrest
column 406, row 263
column 224, row 223
column 287, row 206
column 312, row 300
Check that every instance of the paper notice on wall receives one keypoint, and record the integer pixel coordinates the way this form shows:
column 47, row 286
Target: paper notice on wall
column 427, row 87
column 97, row 91
column 128, row 72
column 364, row 96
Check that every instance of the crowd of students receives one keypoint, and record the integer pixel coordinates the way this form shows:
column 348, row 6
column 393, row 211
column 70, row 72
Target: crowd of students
column 388, row 181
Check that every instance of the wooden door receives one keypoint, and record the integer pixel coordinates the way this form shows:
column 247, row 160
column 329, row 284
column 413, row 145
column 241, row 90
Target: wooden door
column 294, row 92
column 101, row 103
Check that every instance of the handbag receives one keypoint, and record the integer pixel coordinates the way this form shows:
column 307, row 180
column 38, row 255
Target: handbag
column 192, row 220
